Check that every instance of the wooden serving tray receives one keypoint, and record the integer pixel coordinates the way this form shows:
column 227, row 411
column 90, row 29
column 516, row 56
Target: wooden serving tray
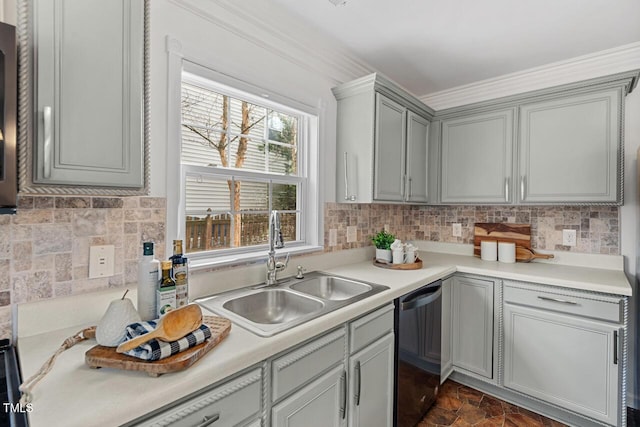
column 106, row 357
column 520, row 234
column 413, row 266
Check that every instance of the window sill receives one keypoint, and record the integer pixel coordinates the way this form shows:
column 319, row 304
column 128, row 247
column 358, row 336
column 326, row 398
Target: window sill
column 214, row 262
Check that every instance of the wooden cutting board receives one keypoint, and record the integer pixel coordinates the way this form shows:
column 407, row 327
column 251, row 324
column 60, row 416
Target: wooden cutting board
column 106, row 357
column 520, row 234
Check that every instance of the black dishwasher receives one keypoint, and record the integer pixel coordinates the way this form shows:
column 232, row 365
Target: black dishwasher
column 418, row 342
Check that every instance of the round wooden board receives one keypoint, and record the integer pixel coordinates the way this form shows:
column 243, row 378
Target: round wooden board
column 107, row 357
column 413, row 266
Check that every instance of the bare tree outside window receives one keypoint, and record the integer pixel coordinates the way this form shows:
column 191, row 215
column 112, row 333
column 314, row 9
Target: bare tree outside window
column 243, row 135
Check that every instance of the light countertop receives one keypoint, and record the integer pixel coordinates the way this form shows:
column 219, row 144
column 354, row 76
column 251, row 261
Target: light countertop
column 72, row 394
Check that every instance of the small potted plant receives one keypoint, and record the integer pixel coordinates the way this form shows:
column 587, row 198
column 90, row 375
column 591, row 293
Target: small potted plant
column 382, row 242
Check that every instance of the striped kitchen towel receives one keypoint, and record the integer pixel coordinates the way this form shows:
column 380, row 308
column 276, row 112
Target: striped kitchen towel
column 156, row 349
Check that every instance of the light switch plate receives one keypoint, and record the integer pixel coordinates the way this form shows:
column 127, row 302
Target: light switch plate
column 457, row 230
column 101, row 261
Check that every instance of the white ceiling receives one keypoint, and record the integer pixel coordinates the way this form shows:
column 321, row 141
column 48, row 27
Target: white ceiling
column 432, row 45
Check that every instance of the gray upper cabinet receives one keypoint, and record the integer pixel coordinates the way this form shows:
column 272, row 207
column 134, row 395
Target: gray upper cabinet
column 417, row 189
column 569, row 148
column 390, row 144
column 477, row 158
column 382, row 143
column 561, row 145
column 89, row 93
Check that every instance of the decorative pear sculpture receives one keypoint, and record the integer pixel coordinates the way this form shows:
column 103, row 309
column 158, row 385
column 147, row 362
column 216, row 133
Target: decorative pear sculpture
column 112, row 328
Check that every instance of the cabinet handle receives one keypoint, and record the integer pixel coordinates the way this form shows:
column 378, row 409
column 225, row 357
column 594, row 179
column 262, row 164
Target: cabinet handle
column 521, row 188
column 506, row 189
column 346, row 179
column 410, row 188
column 358, row 383
column 615, row 347
column 208, row 420
column 561, row 301
column 46, row 116
column 343, row 390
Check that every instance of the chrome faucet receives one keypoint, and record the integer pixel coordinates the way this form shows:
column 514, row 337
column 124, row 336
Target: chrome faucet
column 275, row 242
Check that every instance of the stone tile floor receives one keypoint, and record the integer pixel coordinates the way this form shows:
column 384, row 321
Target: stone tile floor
column 461, row 406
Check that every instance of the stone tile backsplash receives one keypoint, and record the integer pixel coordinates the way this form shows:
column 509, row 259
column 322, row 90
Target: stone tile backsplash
column 597, row 226
column 44, row 248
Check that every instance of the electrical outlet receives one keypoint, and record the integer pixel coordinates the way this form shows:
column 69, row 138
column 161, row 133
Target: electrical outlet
column 352, row 233
column 101, row 261
column 457, row 229
column 569, row 237
column 386, row 228
column 333, row 237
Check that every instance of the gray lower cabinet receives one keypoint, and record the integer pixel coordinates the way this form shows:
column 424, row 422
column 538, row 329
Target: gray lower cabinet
column 564, row 348
column 569, row 148
column 342, row 378
column 235, row 403
column 477, row 158
column 319, row 404
column 446, row 352
column 473, row 326
column 89, row 78
column 371, row 373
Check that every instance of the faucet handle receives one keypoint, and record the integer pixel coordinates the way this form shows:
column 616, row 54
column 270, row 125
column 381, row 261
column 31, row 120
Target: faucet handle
column 300, row 274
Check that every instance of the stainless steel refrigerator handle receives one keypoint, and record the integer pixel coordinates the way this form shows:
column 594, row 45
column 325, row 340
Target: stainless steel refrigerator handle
column 209, row 419
column 358, row 383
column 423, row 298
column 46, row 118
column 343, row 391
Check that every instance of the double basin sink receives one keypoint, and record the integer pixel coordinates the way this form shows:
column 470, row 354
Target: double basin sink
column 268, row 310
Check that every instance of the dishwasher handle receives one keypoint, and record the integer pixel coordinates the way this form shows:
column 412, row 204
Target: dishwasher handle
column 422, row 296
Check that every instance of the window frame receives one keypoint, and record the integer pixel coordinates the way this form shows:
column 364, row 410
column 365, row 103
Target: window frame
column 307, row 178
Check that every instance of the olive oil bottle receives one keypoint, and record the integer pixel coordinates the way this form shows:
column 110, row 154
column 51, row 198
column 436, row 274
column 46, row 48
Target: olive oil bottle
column 180, row 265
column 166, row 290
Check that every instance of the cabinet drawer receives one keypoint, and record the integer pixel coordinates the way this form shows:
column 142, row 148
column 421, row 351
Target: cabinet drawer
column 565, row 301
column 370, row 327
column 233, row 402
column 300, row 366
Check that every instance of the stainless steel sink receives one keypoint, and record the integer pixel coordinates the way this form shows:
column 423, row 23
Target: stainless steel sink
column 267, row 311
column 331, row 287
column 271, row 306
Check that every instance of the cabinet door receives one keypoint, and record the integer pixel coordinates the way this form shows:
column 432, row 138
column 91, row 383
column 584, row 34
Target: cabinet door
column 371, row 373
column 565, row 360
column 446, row 355
column 89, row 93
column 389, row 155
column 473, row 325
column 569, row 149
column 416, row 189
column 477, row 158
column 322, row 403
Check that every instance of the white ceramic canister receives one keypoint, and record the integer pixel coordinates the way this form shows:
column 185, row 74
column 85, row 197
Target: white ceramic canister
column 489, row 250
column 506, row 252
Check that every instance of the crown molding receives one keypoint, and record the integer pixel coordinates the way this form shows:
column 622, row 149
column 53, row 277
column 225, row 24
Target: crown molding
column 598, row 64
column 261, row 25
